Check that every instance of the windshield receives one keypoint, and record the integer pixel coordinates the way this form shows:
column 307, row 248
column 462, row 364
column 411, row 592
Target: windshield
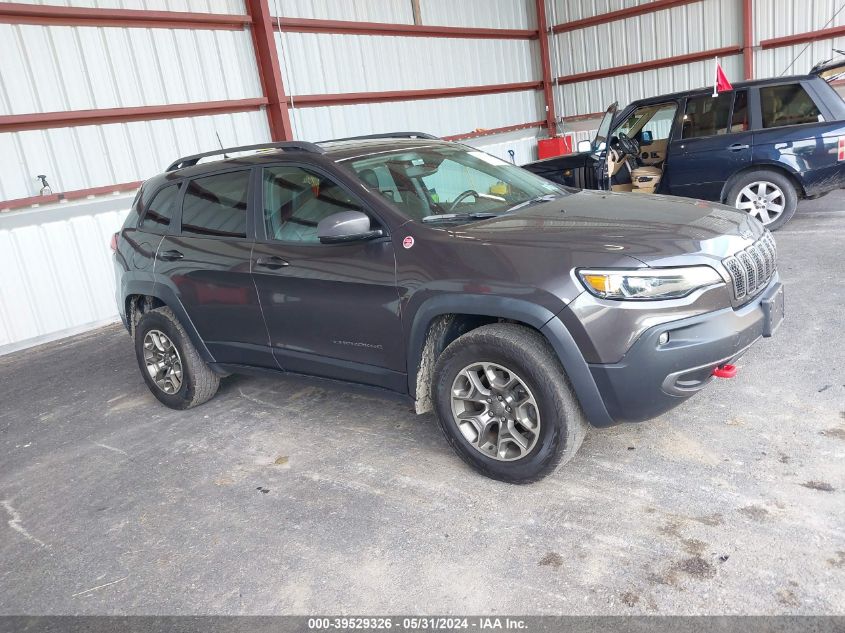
column 451, row 183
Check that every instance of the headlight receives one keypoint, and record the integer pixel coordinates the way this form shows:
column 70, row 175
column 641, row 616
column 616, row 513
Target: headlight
column 648, row 283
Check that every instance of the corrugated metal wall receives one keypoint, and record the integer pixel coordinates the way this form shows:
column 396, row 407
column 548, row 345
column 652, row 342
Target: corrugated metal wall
column 776, row 18
column 376, row 63
column 57, row 274
column 691, row 28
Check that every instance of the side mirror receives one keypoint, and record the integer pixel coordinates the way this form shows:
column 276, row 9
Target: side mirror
column 646, row 137
column 585, row 146
column 346, row 226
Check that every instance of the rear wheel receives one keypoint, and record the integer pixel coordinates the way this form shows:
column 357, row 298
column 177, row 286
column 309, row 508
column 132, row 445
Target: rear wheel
column 169, row 362
column 505, row 404
column 766, row 195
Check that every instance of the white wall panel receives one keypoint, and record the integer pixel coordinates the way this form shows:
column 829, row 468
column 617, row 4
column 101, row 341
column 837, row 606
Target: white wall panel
column 794, row 60
column 194, row 6
column 593, row 96
column 98, row 155
column 56, row 68
column 389, row 11
column 57, row 273
column 442, row 117
column 362, row 63
column 495, row 14
column 776, row 18
column 523, row 144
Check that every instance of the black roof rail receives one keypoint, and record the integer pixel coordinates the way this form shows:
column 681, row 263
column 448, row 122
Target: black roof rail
column 422, row 135
column 303, row 146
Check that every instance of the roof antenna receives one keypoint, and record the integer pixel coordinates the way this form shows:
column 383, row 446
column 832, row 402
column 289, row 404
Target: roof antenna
column 217, row 134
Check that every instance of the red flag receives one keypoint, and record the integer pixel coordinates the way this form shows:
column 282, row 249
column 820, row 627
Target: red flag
column 721, row 84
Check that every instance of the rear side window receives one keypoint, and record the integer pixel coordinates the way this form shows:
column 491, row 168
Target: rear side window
column 160, row 211
column 216, row 205
column 787, row 105
column 707, row 115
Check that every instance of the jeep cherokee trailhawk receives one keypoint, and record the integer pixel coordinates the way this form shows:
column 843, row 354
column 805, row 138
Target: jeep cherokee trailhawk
column 518, row 309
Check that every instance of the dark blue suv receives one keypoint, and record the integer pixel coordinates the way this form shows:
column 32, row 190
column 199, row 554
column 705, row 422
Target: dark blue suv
column 759, row 147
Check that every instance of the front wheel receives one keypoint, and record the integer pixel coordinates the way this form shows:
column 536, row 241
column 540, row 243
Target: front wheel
column 505, row 404
column 766, row 195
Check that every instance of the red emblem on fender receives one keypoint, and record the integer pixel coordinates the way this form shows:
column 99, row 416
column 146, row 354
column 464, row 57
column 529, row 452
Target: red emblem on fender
column 408, row 242
column 842, row 148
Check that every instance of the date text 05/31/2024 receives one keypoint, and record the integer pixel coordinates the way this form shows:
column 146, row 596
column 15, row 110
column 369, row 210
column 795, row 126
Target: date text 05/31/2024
column 431, row 623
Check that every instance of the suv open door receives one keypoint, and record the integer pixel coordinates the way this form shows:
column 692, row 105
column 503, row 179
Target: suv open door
column 599, row 147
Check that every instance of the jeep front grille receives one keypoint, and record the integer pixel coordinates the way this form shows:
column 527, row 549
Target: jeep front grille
column 752, row 269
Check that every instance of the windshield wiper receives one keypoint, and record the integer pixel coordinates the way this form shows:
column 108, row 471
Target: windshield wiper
column 458, row 217
column 544, row 198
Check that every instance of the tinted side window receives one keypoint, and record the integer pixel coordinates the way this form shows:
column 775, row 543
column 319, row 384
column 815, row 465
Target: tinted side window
column 160, row 211
column 787, row 105
column 739, row 120
column 707, row 115
column 216, row 205
column 296, row 199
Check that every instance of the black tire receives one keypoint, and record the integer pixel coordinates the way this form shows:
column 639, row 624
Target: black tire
column 199, row 383
column 776, row 178
column 527, row 353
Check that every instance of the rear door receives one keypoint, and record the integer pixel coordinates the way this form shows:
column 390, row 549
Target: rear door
column 331, row 309
column 713, row 143
column 205, row 260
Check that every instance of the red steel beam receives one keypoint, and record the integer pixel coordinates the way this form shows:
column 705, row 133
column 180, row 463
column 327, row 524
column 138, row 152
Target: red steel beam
column 22, row 203
column 19, row 13
column 349, row 98
column 621, row 14
column 495, row 130
column 47, row 120
column 269, row 70
column 345, row 27
column 545, row 60
column 651, row 65
column 748, row 38
column 801, row 38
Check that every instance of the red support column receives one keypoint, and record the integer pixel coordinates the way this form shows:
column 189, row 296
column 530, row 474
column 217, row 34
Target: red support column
column 748, row 38
column 543, row 37
column 267, row 59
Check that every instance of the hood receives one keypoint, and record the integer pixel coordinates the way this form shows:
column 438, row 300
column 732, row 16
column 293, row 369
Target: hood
column 656, row 230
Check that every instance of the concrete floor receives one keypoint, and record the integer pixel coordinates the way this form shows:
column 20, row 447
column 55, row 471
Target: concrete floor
column 294, row 496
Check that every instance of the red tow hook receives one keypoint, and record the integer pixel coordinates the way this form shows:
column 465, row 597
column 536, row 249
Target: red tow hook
column 725, row 371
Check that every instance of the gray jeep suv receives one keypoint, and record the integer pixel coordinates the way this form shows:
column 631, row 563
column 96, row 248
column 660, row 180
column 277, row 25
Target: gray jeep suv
column 519, row 310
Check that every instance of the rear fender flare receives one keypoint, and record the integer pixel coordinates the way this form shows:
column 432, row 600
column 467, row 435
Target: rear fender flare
column 168, row 297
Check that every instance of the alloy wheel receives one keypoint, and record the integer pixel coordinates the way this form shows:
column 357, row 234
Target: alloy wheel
column 763, row 200
column 495, row 411
column 163, row 361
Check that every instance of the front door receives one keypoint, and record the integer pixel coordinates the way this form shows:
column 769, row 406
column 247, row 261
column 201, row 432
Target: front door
column 331, row 309
column 600, row 149
column 205, row 261
column 713, row 143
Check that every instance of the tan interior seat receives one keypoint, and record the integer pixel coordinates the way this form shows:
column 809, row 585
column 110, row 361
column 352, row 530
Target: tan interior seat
column 646, row 178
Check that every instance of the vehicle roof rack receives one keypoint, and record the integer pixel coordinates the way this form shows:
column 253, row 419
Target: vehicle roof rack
column 421, row 135
column 303, row 146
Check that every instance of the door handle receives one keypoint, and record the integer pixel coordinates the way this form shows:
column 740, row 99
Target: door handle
column 272, row 262
column 170, row 256
column 736, row 147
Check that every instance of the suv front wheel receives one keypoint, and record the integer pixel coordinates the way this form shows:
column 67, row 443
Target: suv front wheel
column 169, row 362
column 505, row 404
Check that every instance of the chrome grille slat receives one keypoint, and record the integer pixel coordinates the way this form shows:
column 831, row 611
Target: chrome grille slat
column 751, row 269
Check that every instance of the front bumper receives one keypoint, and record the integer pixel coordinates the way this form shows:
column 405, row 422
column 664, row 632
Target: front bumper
column 652, row 378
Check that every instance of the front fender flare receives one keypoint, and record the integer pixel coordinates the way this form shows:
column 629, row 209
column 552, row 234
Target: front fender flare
column 538, row 317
